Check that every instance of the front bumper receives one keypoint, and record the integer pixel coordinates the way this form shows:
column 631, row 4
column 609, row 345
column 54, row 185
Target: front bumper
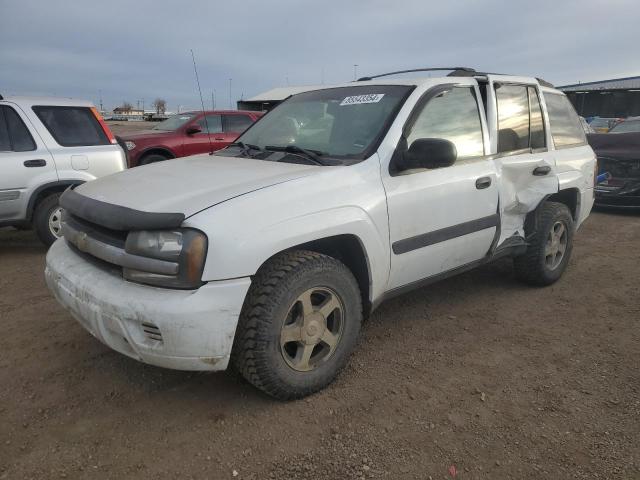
column 179, row 329
column 623, row 197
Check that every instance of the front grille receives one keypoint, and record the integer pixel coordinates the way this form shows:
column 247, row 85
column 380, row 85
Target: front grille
column 152, row 331
column 115, row 238
column 619, row 168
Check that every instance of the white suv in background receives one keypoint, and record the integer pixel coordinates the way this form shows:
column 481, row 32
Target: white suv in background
column 268, row 254
column 46, row 145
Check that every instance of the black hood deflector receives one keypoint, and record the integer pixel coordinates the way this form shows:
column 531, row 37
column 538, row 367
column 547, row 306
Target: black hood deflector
column 116, row 217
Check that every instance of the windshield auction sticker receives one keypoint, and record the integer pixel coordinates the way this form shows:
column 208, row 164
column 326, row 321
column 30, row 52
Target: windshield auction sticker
column 359, row 99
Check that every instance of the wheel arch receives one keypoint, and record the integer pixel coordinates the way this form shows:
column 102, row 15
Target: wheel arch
column 165, row 151
column 568, row 196
column 45, row 190
column 350, row 250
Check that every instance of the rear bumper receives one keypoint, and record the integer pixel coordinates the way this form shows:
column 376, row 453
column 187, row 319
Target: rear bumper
column 178, row 329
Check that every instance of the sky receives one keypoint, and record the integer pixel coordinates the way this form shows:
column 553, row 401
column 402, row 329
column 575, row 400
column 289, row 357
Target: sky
column 139, row 50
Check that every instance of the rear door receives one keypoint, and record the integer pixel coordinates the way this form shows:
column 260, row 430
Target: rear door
column 443, row 218
column 25, row 163
column 520, row 145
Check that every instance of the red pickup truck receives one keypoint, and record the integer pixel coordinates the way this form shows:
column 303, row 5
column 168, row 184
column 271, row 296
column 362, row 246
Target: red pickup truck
column 185, row 134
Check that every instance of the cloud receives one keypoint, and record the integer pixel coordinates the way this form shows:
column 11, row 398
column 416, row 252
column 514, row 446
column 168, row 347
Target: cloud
column 141, row 50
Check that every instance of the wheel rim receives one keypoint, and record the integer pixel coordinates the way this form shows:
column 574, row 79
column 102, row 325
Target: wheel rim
column 312, row 329
column 55, row 222
column 556, row 245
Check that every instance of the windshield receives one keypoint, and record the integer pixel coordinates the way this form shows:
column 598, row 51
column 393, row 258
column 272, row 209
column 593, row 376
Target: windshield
column 337, row 122
column 626, row 127
column 174, row 122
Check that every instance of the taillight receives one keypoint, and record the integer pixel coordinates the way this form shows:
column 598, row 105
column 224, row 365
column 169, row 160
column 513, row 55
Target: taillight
column 105, row 127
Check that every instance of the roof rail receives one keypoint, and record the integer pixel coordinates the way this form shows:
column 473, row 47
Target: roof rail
column 465, row 73
column 1, row 97
column 455, row 69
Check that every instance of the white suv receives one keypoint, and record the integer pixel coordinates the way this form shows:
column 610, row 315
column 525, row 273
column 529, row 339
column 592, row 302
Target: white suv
column 46, row 145
column 269, row 253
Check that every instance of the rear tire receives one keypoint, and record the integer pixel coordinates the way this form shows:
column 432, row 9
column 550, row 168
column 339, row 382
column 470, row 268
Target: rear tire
column 299, row 324
column 46, row 219
column 152, row 158
column 549, row 250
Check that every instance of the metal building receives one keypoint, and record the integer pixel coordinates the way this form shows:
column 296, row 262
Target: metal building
column 618, row 97
column 267, row 100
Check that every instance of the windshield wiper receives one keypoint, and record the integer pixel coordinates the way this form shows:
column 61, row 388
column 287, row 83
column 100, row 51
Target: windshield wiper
column 245, row 147
column 313, row 155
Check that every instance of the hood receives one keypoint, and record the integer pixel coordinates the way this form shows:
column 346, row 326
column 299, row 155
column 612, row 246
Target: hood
column 189, row 185
column 143, row 134
column 623, row 146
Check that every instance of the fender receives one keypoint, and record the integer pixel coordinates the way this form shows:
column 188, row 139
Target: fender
column 342, row 202
column 58, row 186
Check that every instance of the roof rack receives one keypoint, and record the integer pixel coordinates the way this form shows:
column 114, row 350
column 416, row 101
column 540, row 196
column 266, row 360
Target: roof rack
column 1, row 97
column 466, row 73
column 453, row 69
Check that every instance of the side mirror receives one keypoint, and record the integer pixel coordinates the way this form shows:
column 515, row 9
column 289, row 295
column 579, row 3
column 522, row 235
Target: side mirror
column 193, row 129
column 429, row 153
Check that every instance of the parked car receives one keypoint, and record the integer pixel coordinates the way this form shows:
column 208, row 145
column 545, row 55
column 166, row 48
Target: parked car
column 186, row 134
column 628, row 125
column 618, row 155
column 269, row 253
column 46, row 145
column 603, row 125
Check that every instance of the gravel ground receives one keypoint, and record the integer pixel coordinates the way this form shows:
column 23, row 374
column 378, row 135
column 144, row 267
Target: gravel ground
column 474, row 377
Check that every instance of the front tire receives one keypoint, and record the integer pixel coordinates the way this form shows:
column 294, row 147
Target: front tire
column 152, row 158
column 299, row 324
column 47, row 219
column 549, row 250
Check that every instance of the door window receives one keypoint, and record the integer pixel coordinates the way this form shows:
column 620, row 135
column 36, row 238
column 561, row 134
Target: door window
column 237, row 123
column 453, row 116
column 537, row 137
column 520, row 121
column 14, row 134
column 565, row 124
column 214, row 122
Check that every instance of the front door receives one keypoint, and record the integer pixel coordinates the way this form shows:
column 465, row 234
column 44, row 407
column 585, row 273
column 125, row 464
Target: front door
column 204, row 142
column 25, row 163
column 443, row 218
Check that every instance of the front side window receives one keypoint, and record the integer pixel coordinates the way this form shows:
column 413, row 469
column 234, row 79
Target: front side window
column 565, row 123
column 14, row 134
column 453, row 115
column 236, row 123
column 214, row 122
column 72, row 126
column 343, row 122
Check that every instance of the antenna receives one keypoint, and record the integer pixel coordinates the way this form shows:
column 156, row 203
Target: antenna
column 206, row 124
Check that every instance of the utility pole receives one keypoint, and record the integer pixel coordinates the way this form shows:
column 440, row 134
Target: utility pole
column 213, row 99
column 355, row 72
column 100, row 93
column 230, row 94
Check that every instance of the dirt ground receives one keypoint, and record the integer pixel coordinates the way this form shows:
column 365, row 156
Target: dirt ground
column 474, row 377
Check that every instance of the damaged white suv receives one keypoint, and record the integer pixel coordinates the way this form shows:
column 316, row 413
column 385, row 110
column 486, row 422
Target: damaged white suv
column 268, row 254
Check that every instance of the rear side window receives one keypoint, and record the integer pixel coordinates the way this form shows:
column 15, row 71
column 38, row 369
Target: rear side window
column 565, row 124
column 454, row 116
column 72, row 126
column 513, row 117
column 14, row 134
column 236, row 123
column 536, row 124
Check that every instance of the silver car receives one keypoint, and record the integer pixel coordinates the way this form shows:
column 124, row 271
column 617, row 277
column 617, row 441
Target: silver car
column 47, row 145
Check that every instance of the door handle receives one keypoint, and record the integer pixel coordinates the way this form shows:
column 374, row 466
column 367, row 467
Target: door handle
column 541, row 171
column 483, row 182
column 35, row 163
column 219, row 139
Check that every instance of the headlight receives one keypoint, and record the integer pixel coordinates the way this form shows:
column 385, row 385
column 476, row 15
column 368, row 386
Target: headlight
column 186, row 247
column 130, row 145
